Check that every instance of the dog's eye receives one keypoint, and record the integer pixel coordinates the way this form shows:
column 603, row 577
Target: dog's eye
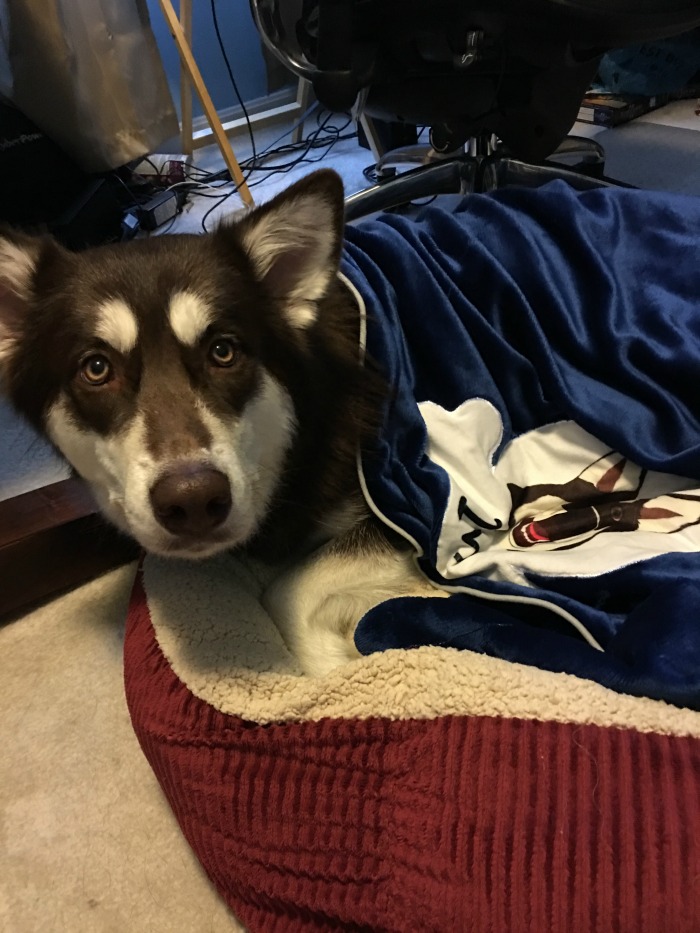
column 223, row 351
column 96, row 369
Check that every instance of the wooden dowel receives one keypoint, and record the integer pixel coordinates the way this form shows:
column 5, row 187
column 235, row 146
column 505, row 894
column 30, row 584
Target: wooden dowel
column 185, row 85
column 201, row 91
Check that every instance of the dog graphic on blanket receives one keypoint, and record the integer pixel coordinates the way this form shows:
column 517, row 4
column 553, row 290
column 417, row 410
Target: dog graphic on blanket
column 602, row 498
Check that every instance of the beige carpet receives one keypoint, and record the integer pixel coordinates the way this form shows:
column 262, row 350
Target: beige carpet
column 87, row 842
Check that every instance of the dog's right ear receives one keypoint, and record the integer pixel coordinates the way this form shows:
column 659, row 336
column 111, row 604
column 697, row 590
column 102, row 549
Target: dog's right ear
column 19, row 255
column 294, row 243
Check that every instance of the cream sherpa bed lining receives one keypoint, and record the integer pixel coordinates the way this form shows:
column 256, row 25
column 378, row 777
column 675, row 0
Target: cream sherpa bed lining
column 223, row 646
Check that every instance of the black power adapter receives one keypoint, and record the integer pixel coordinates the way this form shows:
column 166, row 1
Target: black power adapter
column 158, row 210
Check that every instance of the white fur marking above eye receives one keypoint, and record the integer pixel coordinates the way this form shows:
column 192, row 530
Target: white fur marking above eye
column 189, row 317
column 117, row 325
column 302, row 313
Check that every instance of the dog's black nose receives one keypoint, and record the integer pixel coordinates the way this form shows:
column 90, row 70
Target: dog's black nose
column 191, row 500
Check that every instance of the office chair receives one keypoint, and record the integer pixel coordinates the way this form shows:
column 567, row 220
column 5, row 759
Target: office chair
column 499, row 82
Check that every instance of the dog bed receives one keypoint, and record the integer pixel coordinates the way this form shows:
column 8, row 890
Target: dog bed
column 524, row 756
column 427, row 789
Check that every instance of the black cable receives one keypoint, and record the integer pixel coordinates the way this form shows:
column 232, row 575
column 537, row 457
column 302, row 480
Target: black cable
column 210, row 180
column 134, row 200
column 312, row 141
column 152, row 164
column 324, row 136
column 301, row 120
column 222, row 198
column 201, row 173
column 230, row 74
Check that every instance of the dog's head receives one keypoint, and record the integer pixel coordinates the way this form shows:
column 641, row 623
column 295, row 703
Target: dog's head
column 163, row 369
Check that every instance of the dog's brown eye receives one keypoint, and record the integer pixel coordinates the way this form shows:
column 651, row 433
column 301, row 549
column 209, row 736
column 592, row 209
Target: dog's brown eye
column 96, row 370
column 223, row 351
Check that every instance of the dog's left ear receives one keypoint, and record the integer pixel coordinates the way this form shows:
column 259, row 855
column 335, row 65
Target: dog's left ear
column 294, row 243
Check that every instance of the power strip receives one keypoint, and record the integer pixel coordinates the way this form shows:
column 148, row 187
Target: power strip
column 164, row 168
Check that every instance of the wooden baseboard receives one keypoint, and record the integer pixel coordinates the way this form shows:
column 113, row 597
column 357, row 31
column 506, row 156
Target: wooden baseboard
column 51, row 540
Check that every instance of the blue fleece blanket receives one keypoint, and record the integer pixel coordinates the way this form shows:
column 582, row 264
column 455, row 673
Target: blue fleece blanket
column 541, row 443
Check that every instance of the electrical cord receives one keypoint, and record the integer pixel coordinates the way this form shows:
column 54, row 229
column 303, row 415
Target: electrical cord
column 215, row 20
column 325, row 136
column 201, row 183
column 315, row 140
column 193, row 184
column 222, row 198
column 302, row 119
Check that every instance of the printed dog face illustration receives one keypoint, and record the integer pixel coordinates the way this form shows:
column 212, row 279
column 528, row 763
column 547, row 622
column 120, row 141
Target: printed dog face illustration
column 603, row 498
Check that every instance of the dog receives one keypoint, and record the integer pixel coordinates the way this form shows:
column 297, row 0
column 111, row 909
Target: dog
column 210, row 390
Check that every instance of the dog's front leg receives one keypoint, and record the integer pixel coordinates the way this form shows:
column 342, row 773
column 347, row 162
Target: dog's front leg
column 318, row 603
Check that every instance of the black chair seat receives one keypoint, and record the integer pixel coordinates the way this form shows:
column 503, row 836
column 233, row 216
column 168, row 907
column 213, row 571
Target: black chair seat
column 513, row 69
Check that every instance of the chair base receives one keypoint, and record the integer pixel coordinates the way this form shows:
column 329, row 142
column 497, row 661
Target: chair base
column 578, row 161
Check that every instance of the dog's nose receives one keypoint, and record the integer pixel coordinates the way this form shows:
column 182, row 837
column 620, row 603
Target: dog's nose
column 191, row 500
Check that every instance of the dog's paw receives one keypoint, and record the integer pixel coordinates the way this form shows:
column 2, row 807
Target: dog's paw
column 318, row 604
column 318, row 627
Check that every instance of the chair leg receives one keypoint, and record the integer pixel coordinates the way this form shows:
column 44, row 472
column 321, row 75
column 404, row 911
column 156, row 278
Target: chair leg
column 373, row 140
column 304, row 88
column 453, row 177
column 484, row 168
column 579, row 149
column 503, row 171
column 580, row 154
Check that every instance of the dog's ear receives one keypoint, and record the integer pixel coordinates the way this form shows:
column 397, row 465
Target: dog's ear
column 19, row 255
column 294, row 243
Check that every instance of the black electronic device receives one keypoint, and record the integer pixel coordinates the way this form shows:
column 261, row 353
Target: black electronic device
column 42, row 188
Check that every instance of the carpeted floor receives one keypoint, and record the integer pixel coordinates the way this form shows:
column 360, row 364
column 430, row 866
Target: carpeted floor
column 87, row 843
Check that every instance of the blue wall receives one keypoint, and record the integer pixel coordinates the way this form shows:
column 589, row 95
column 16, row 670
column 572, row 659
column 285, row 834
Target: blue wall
column 242, row 44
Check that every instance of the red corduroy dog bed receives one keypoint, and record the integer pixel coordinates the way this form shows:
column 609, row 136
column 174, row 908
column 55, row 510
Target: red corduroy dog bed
column 424, row 790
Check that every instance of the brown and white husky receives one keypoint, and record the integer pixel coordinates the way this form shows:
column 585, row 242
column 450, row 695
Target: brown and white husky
column 210, row 391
